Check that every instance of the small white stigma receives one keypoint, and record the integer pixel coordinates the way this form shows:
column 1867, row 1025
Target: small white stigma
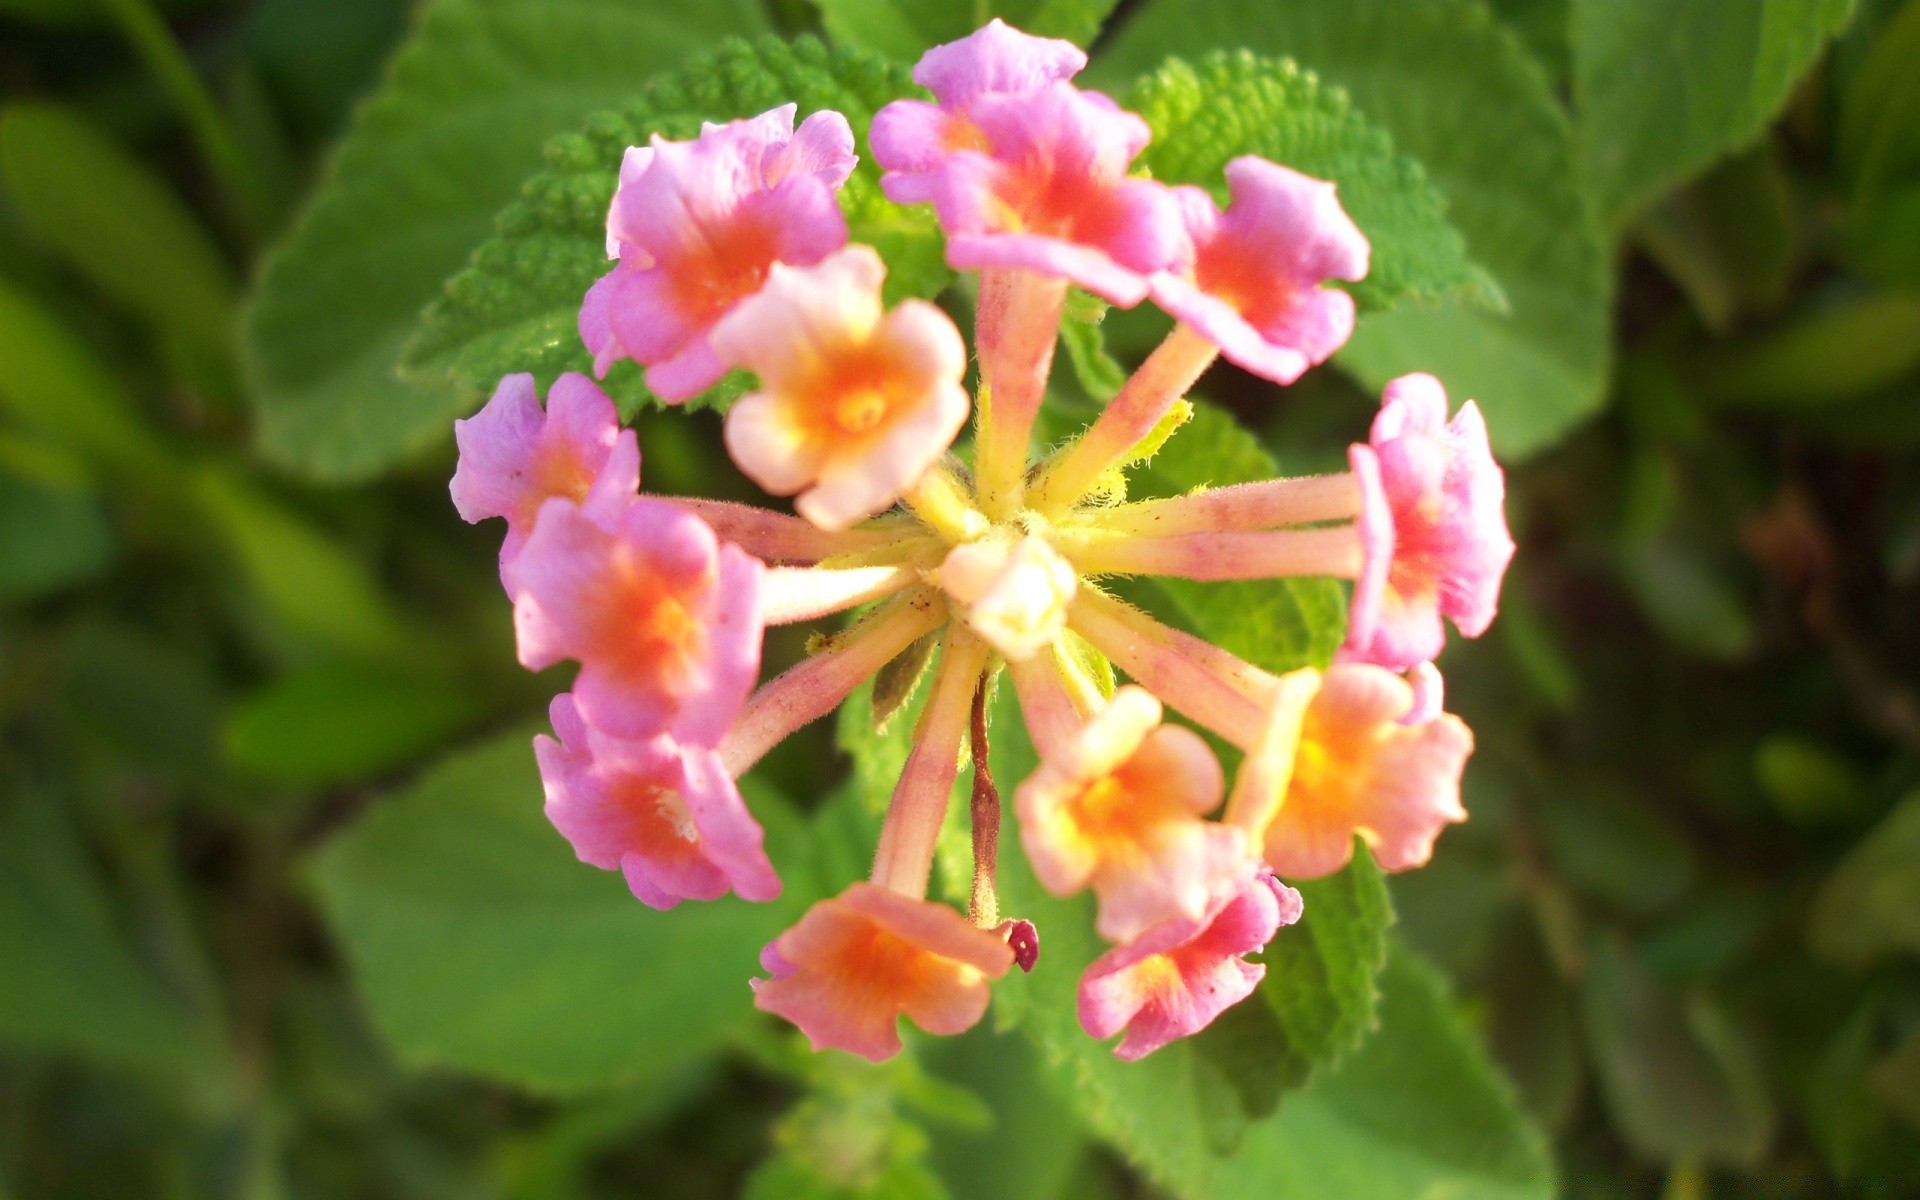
column 1013, row 591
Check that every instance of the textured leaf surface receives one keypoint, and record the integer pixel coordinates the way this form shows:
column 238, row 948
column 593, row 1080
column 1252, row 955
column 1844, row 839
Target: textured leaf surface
column 516, row 307
column 1664, row 88
column 1459, row 93
column 1227, row 105
column 472, row 96
column 905, row 28
column 480, row 943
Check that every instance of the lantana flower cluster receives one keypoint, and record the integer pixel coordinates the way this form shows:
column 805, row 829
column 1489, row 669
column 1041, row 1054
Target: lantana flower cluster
column 730, row 252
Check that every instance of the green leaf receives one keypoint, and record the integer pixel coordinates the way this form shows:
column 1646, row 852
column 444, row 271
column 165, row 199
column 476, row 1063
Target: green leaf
column 1870, row 906
column 1236, row 103
column 117, row 223
column 335, row 722
column 306, row 578
column 1845, row 350
column 1664, row 89
column 1276, row 624
column 74, row 983
column 516, row 307
column 472, row 96
column 480, row 943
column 51, row 382
column 51, row 537
column 67, row 13
column 1731, row 240
column 1679, row 1080
column 903, row 29
column 1461, row 95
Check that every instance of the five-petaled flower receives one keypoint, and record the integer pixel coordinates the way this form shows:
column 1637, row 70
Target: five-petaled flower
column 731, row 254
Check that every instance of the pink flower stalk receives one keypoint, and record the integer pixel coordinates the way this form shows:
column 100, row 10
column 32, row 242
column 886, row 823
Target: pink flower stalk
column 515, row 456
column 855, row 403
column 667, row 816
column 858, row 962
column 698, row 225
column 912, row 138
column 1435, row 538
column 1121, row 808
column 1175, row 978
column 1254, row 285
column 1358, row 769
column 664, row 621
column 1051, row 194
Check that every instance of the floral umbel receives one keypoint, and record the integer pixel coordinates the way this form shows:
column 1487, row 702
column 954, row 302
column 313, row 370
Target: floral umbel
column 731, row 254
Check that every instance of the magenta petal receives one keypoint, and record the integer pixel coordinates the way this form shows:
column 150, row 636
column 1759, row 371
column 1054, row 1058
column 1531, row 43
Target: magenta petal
column 821, row 148
column 995, row 58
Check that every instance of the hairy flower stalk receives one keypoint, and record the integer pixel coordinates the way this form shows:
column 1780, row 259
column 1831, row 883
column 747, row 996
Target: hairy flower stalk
column 731, row 255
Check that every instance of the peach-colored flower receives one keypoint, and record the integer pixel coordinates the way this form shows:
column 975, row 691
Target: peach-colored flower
column 856, row 963
column 1358, row 769
column 854, row 403
column 1121, row 808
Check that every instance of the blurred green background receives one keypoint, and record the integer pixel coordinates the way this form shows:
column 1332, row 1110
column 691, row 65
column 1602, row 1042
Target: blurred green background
column 279, row 916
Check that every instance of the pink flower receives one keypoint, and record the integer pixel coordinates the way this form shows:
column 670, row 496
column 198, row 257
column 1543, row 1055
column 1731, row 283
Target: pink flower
column 1121, row 808
column 1434, row 535
column 1175, row 978
column 855, row 403
column 696, row 227
column 854, row 964
column 1254, row 286
column 665, row 815
column 1359, row 769
column 664, row 621
column 514, row 456
column 911, row 138
column 1051, row 194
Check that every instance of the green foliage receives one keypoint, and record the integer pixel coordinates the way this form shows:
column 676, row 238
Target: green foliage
column 1855, row 347
column 74, row 981
column 517, row 305
column 902, row 29
column 476, row 91
column 1664, row 89
column 115, row 222
column 335, row 722
column 1461, row 95
column 1870, row 905
column 480, row 943
column 52, row 536
column 1232, row 104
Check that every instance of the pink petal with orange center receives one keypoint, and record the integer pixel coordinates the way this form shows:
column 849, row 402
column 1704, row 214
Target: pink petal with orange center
column 854, row 404
column 1359, row 770
column 1176, row 977
column 515, row 456
column 1441, row 493
column 665, row 815
column 1120, row 808
column 697, row 226
column 664, row 621
column 858, row 962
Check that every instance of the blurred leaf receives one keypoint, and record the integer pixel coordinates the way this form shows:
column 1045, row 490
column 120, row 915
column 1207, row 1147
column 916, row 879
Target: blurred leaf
column 52, row 382
column 335, row 722
column 51, row 538
column 557, row 1159
column 309, row 581
column 317, row 59
column 1679, row 1080
column 1808, row 783
column 1276, row 624
column 1664, row 89
column 903, row 29
column 1032, row 1143
column 1618, row 845
column 470, row 98
column 1533, row 1026
column 1100, row 376
column 1885, row 237
column 1228, row 105
column 1877, row 133
column 65, row 13
column 1710, row 934
column 1870, row 906
column 1458, row 93
column 1895, row 1080
column 116, row 222
column 1731, row 239
column 517, row 305
column 1687, row 598
column 1542, row 24
column 480, row 943
column 73, row 982
column 1848, row 349
column 150, row 700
